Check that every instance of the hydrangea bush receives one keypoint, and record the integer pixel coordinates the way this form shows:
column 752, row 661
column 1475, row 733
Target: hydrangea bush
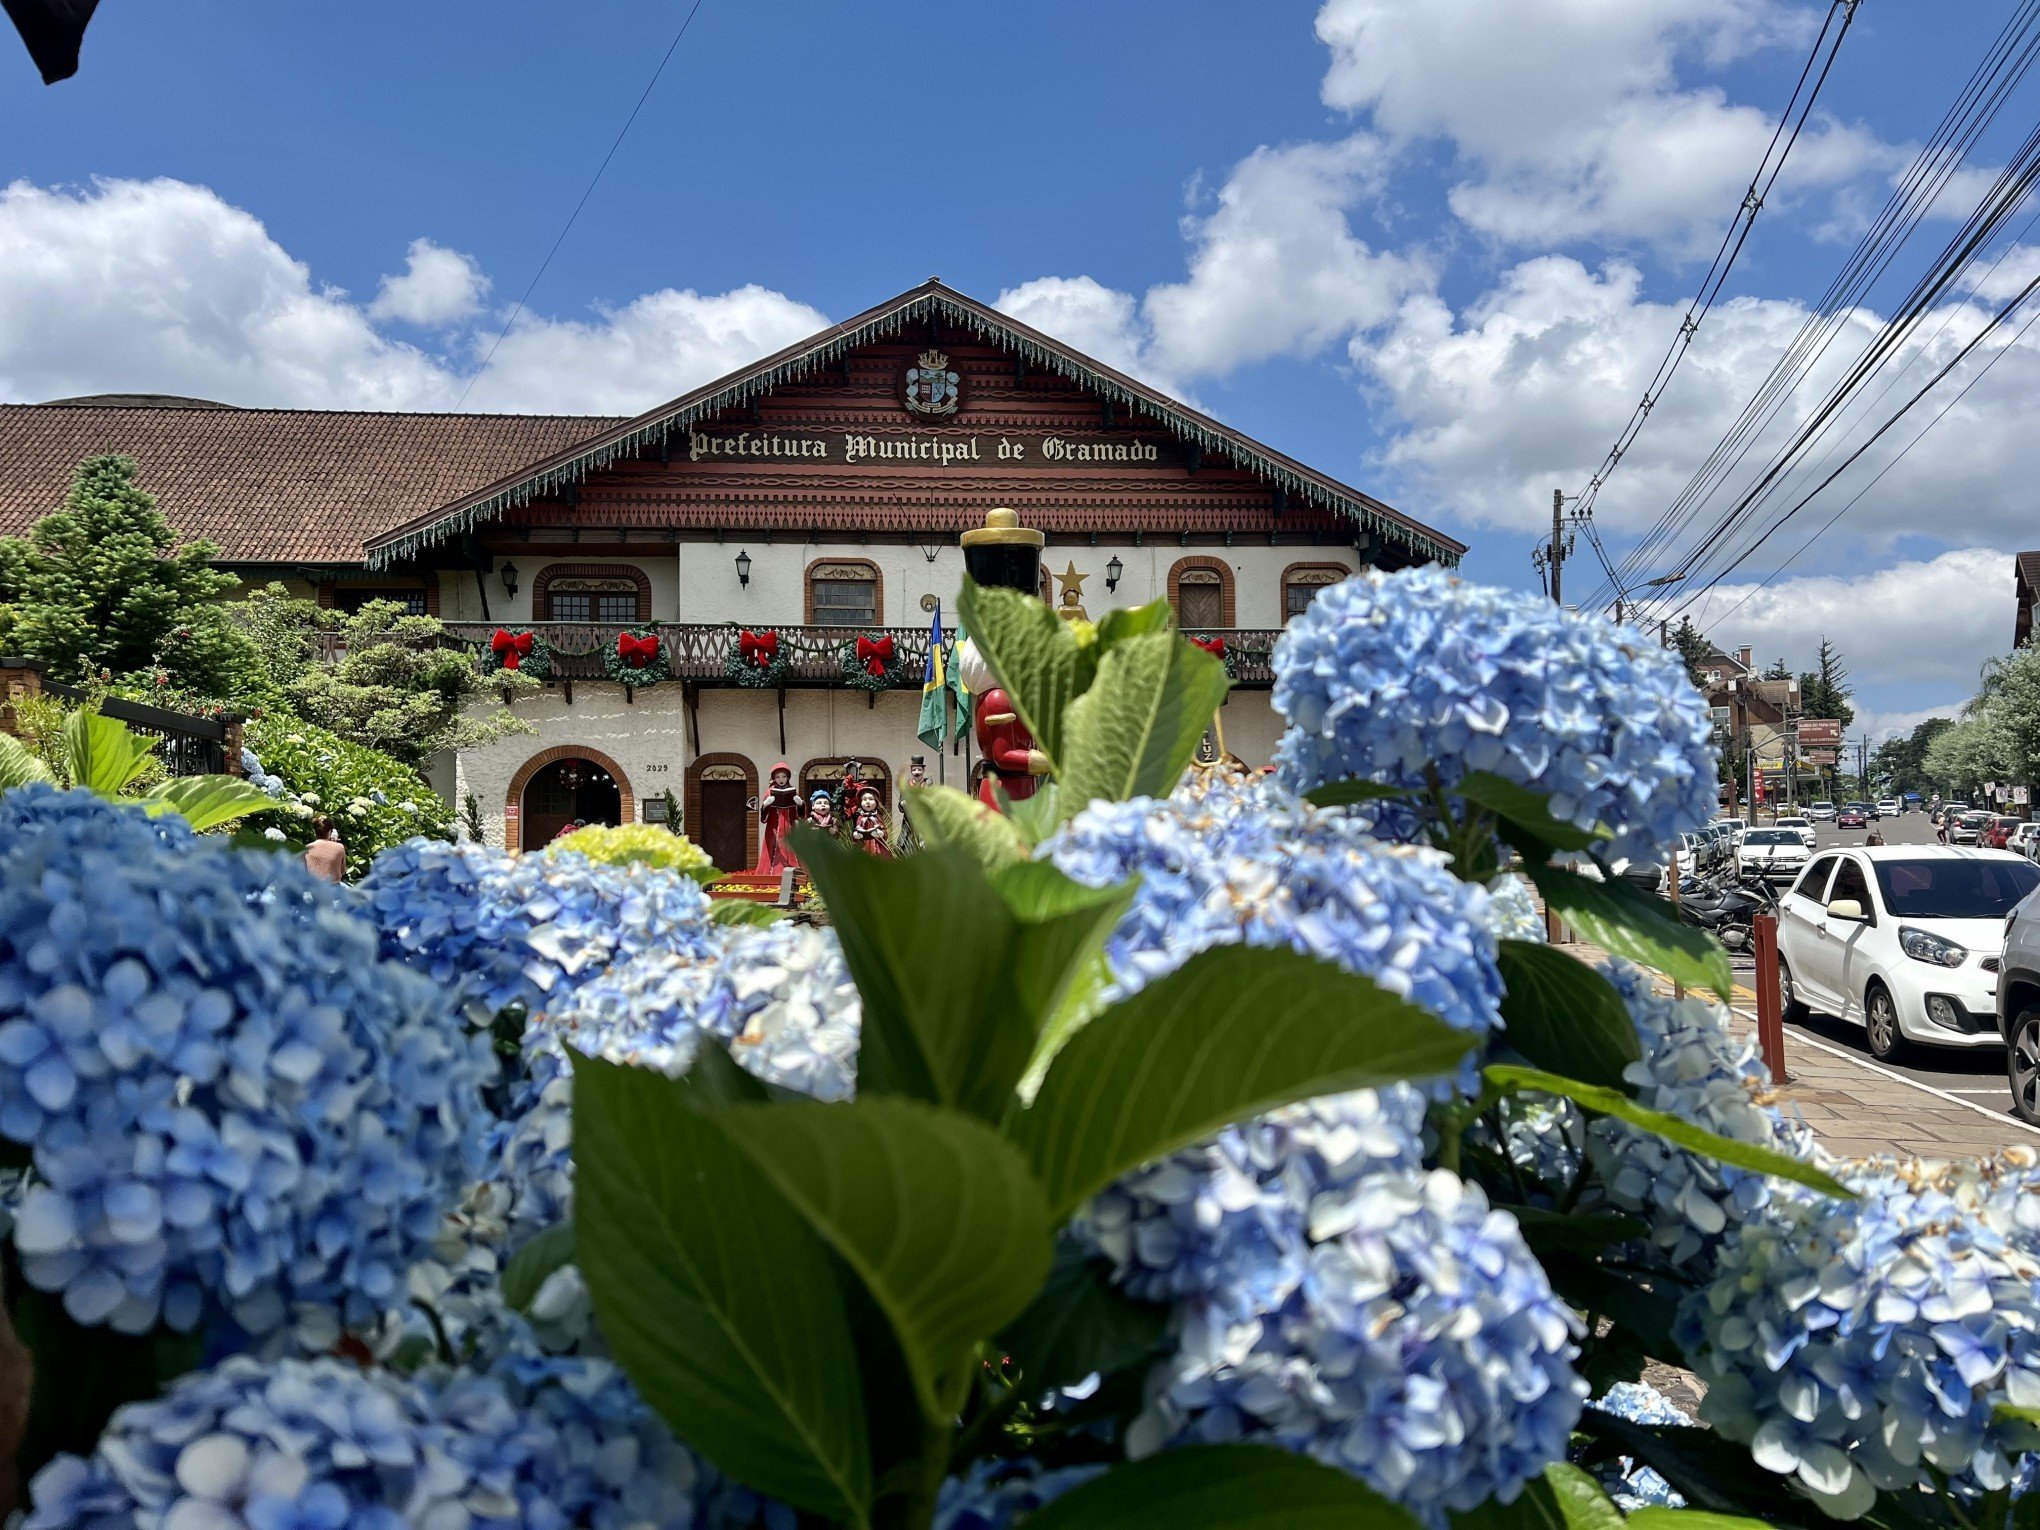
column 642, row 844
column 374, row 801
column 1162, row 1150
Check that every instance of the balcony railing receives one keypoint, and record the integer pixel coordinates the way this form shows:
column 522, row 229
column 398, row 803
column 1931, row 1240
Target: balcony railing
column 699, row 651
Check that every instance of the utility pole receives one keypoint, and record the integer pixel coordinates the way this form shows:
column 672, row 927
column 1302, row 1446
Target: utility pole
column 1549, row 558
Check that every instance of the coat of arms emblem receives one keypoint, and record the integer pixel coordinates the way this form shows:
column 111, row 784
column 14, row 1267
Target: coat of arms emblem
column 930, row 387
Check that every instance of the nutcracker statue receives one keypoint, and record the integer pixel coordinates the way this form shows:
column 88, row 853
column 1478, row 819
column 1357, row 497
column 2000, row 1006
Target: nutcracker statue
column 867, row 827
column 777, row 811
column 1001, row 552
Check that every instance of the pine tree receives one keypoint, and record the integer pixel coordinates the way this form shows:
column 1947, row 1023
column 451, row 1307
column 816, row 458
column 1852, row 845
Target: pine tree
column 1824, row 690
column 1694, row 649
column 103, row 584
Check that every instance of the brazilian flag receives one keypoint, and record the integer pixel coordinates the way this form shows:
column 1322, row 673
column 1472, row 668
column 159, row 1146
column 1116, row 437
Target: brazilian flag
column 935, row 727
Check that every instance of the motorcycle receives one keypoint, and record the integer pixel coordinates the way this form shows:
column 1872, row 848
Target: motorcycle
column 1728, row 912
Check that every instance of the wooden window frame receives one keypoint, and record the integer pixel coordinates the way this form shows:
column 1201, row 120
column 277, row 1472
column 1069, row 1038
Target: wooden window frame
column 807, row 587
column 1200, row 563
column 542, row 583
column 1289, row 574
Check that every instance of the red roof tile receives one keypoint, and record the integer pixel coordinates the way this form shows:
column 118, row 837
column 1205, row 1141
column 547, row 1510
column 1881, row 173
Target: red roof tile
column 273, row 485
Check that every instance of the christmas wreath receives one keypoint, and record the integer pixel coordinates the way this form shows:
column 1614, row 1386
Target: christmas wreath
column 636, row 658
column 873, row 662
column 524, row 653
column 759, row 660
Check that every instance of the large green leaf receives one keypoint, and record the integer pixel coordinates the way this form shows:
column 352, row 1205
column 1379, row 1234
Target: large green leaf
column 529, row 1268
column 1338, row 794
column 946, row 818
column 1691, row 1519
column 1526, row 809
column 1033, row 655
column 1607, row 1102
column 19, row 764
column 1080, row 1324
column 1124, row 622
column 1060, row 948
column 935, row 1212
column 1235, row 1031
column 1628, row 922
column 105, row 755
column 1712, row 1472
column 1222, row 1487
column 715, row 1294
column 958, row 974
column 1560, row 1013
column 1564, row 1498
column 206, row 802
column 1134, row 732
column 1036, row 816
column 743, row 912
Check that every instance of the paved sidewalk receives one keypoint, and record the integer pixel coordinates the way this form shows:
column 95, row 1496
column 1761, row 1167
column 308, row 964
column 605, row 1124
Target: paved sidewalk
column 1860, row 1110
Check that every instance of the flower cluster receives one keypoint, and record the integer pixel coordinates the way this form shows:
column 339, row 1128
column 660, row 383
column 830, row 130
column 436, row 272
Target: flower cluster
column 638, row 844
column 1632, row 1485
column 996, row 1493
column 317, row 1445
column 1415, row 678
column 1865, row 1344
column 1248, row 863
column 1422, row 1350
column 503, row 929
column 374, row 800
column 230, row 1100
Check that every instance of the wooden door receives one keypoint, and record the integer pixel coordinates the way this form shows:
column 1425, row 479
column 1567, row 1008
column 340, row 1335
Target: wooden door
column 725, row 821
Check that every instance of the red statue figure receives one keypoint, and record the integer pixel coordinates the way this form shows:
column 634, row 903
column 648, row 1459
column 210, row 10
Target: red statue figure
column 1008, row 748
column 867, row 828
column 1006, row 554
column 777, row 810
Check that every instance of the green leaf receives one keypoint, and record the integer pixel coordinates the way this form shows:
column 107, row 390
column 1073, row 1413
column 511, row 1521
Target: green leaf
column 743, row 912
column 1631, row 923
column 714, row 1293
column 1564, row 1498
column 1064, row 926
column 19, row 764
column 1573, row 1232
column 1116, row 626
column 206, row 802
column 1222, row 1487
column 1033, row 655
column 1525, row 808
column 1038, row 816
column 1235, row 1031
column 529, row 1268
column 935, row 1212
column 958, row 975
column 1607, row 1102
column 946, row 818
column 1712, row 1473
column 1134, row 732
column 1560, row 1013
column 105, row 755
column 1337, row 794
column 1691, row 1519
column 1080, row 1324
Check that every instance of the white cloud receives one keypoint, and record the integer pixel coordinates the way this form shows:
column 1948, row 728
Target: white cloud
column 1098, row 320
column 164, row 287
column 438, row 286
column 1883, row 725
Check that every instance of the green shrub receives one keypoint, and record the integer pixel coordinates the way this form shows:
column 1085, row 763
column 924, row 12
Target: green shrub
column 373, row 800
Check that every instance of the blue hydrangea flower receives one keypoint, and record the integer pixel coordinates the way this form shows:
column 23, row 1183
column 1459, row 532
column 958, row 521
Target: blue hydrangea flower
column 1394, row 677
column 1632, row 1485
column 1855, row 1344
column 507, row 929
column 996, row 1493
column 233, row 1105
column 297, row 1444
column 1512, row 909
column 1423, row 1351
column 1250, row 863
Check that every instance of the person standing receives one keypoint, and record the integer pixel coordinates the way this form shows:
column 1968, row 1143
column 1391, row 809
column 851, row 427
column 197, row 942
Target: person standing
column 325, row 856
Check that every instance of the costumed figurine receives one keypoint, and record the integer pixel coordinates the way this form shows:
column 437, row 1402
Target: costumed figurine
column 1004, row 553
column 867, row 828
column 821, row 811
column 907, row 840
column 845, row 796
column 777, row 811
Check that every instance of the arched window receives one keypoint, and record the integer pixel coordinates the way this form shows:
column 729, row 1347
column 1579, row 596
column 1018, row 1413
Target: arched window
column 844, row 592
column 1301, row 583
column 1201, row 593
column 609, row 593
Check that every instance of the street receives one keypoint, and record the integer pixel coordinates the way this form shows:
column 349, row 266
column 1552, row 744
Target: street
column 1976, row 1075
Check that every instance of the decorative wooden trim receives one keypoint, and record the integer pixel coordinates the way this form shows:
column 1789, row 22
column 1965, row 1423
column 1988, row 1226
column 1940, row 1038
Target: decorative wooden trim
column 690, row 805
column 807, row 587
column 513, row 798
column 884, row 783
column 541, row 585
column 1289, row 573
column 1217, row 566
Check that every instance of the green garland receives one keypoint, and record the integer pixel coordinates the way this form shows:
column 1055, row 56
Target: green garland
column 748, row 672
column 857, row 671
column 537, row 663
column 623, row 672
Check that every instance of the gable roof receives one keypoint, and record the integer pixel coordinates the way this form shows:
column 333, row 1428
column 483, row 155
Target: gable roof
column 574, row 462
column 271, row 485
column 2026, row 569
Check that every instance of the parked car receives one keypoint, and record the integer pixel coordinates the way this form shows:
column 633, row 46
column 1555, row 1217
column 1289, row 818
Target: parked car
column 1851, row 816
column 2018, row 1007
column 1890, row 807
column 1802, row 826
column 1904, row 940
column 1969, row 828
column 1950, row 811
column 1689, row 855
column 1822, row 812
column 1997, row 832
column 1737, row 827
column 1774, row 854
column 2025, row 841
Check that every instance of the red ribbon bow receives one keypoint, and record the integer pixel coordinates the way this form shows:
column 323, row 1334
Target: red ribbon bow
column 759, row 648
column 1213, row 646
column 635, row 651
column 875, row 654
column 511, row 647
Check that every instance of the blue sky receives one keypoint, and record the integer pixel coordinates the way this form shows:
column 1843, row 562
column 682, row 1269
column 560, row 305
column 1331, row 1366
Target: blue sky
column 1431, row 246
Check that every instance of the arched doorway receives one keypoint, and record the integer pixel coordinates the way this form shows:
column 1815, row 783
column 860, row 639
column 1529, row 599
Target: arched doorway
column 564, row 786
column 826, row 774
column 722, row 809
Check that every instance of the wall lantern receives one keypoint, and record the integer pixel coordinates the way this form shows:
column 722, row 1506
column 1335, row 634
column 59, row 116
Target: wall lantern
column 744, row 569
column 1112, row 572
column 509, row 577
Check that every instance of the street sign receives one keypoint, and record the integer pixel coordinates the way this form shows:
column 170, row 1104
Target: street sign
column 1820, row 732
column 1819, row 756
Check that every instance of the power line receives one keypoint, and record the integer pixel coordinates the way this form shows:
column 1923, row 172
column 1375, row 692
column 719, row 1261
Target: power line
column 593, row 180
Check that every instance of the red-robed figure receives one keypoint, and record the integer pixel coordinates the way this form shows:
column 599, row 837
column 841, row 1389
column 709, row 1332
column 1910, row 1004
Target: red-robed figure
column 1002, row 552
column 777, row 810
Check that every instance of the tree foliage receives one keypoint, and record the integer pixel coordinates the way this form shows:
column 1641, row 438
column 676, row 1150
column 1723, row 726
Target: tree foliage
column 1998, row 738
column 1902, row 761
column 1694, row 649
column 1824, row 689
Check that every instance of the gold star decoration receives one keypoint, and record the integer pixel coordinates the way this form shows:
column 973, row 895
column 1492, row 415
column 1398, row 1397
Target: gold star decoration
column 1072, row 584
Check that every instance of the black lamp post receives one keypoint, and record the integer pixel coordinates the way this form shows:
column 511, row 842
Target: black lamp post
column 744, row 569
column 1112, row 572
column 509, row 577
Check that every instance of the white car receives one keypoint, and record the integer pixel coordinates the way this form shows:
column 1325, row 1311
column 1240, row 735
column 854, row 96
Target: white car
column 2018, row 1008
column 1803, row 827
column 2025, row 841
column 1822, row 812
column 1904, row 940
column 1889, row 807
column 1776, row 855
column 1737, row 827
